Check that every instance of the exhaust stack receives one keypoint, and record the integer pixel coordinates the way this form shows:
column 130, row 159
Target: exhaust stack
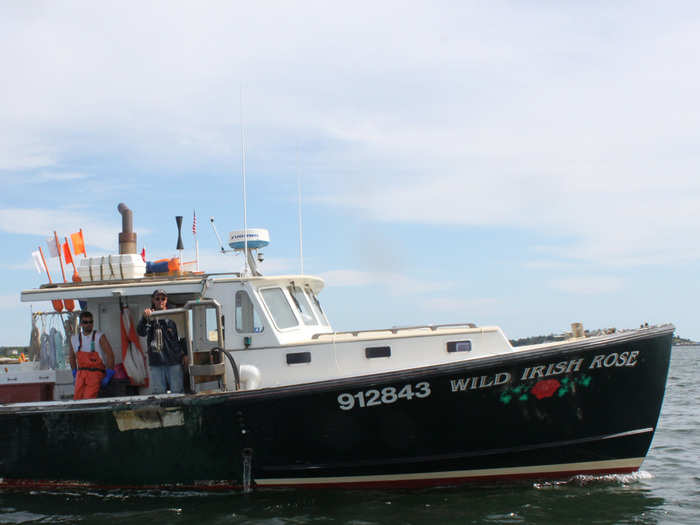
column 127, row 237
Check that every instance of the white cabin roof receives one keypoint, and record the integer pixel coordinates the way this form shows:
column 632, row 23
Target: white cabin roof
column 196, row 284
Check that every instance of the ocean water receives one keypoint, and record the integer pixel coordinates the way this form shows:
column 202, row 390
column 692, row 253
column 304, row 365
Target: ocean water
column 665, row 491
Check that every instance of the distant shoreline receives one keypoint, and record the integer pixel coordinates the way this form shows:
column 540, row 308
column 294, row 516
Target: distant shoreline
column 539, row 339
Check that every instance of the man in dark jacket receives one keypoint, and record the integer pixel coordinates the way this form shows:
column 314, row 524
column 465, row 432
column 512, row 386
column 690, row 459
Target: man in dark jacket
column 166, row 357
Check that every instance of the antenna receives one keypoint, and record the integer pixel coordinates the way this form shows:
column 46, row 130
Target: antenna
column 245, row 210
column 301, row 234
column 196, row 241
column 213, row 227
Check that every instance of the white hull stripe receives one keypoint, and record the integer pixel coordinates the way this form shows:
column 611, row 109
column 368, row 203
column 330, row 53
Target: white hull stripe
column 586, row 466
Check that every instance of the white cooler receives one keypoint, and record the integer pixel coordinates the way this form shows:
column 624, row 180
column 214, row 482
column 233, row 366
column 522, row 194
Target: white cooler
column 112, row 267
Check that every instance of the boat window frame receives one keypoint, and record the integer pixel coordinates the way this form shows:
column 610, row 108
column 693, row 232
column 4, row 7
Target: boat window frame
column 301, row 313
column 256, row 313
column 287, row 301
column 316, row 307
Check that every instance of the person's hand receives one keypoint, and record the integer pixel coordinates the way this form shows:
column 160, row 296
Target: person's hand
column 108, row 377
column 185, row 360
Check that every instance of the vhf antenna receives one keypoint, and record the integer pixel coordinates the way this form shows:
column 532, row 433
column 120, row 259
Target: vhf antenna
column 301, row 234
column 245, row 210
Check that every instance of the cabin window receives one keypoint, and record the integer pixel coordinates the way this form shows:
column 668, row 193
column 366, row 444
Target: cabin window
column 212, row 327
column 277, row 303
column 317, row 307
column 302, row 303
column 247, row 318
column 459, row 346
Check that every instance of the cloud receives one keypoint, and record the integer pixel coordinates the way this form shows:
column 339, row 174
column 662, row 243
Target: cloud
column 349, row 278
column 587, row 285
column 542, row 117
column 618, row 214
column 58, row 176
column 545, row 264
column 222, row 263
column 28, row 265
column 10, row 302
column 42, row 222
column 456, row 304
column 22, row 175
column 18, row 152
column 396, row 283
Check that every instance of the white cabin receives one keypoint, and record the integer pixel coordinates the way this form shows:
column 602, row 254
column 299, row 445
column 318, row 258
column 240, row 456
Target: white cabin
column 274, row 328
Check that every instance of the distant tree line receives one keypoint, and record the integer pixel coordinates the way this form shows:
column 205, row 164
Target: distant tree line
column 6, row 351
column 683, row 341
column 538, row 339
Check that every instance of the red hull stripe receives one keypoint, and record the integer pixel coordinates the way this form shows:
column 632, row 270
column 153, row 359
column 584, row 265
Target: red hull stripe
column 618, row 466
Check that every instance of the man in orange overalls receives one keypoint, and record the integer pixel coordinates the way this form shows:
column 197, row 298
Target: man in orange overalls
column 91, row 359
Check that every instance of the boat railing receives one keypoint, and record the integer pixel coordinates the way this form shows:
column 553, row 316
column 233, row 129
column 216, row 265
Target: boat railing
column 203, row 366
column 396, row 329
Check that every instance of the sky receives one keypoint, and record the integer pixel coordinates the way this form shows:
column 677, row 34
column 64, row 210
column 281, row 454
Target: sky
column 519, row 164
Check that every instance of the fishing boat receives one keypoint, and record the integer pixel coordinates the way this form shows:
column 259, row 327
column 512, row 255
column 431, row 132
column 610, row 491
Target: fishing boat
column 277, row 398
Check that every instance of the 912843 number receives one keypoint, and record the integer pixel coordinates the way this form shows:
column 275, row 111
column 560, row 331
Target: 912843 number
column 385, row 396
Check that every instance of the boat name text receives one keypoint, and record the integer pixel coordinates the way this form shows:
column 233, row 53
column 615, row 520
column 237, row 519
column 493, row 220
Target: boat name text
column 574, row 365
column 473, row 383
column 385, row 396
column 552, row 369
column 613, row 359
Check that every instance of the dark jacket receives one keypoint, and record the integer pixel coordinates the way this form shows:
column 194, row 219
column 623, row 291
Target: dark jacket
column 171, row 352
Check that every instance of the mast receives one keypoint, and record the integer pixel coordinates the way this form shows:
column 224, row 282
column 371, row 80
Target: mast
column 245, row 211
column 301, row 234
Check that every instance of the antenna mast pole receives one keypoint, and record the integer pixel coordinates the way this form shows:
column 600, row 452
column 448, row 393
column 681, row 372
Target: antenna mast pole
column 196, row 241
column 301, row 234
column 221, row 243
column 245, row 211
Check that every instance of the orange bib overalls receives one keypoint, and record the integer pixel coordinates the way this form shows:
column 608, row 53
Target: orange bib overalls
column 91, row 370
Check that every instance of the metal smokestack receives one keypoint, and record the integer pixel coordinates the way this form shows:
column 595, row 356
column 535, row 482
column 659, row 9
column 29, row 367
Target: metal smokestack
column 127, row 237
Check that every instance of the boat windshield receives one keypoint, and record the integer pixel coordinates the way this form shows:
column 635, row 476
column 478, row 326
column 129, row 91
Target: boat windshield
column 317, row 307
column 279, row 308
column 302, row 304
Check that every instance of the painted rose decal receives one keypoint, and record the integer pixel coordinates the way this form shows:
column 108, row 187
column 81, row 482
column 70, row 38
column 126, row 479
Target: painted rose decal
column 545, row 388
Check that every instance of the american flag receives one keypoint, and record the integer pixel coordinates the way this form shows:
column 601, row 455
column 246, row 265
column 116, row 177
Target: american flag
column 194, row 223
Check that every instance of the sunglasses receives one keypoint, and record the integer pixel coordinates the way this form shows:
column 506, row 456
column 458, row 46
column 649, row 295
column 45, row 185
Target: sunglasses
column 160, row 298
column 86, row 322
